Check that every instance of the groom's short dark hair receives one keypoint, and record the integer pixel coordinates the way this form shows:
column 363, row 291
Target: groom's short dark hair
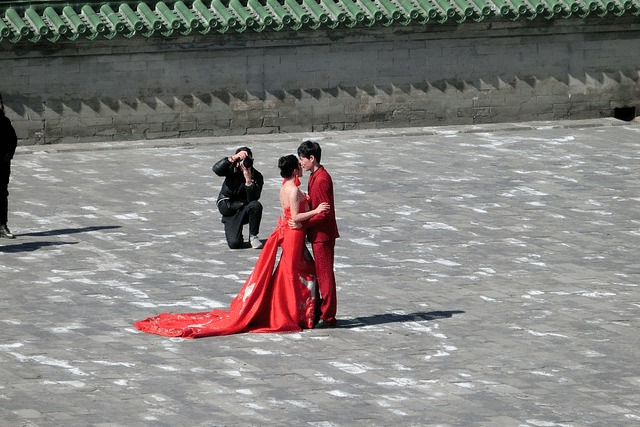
column 310, row 148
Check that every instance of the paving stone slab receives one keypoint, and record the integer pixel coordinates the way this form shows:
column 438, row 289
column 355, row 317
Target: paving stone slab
column 487, row 276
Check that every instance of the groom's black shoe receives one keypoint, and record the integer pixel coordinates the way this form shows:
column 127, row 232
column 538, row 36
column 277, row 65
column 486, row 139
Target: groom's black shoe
column 323, row 324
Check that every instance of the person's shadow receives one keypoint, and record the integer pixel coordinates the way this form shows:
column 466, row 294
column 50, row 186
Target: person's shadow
column 34, row 246
column 380, row 319
column 69, row 231
column 31, row 246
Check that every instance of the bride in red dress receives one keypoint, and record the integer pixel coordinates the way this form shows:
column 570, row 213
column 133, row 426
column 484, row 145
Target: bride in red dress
column 283, row 300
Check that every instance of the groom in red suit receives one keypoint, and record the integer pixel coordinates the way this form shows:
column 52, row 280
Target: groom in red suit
column 322, row 230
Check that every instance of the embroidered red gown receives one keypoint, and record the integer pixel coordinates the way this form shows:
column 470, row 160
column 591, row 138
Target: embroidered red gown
column 283, row 300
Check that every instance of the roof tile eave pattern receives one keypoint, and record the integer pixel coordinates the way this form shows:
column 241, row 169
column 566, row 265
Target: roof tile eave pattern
column 39, row 22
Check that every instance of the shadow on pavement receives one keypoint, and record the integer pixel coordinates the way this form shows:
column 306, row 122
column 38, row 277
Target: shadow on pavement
column 32, row 246
column 395, row 318
column 69, row 231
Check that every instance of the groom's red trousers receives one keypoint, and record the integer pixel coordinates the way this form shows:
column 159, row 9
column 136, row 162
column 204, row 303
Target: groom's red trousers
column 323, row 252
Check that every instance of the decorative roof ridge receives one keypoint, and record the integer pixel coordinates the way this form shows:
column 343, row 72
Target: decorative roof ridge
column 41, row 22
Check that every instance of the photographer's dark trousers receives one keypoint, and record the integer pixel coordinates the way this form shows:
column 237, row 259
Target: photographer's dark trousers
column 5, row 171
column 249, row 214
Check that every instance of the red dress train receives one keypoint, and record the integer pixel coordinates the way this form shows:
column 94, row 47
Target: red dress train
column 283, row 300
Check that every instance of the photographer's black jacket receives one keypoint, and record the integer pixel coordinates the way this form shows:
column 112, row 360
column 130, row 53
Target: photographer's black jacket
column 234, row 187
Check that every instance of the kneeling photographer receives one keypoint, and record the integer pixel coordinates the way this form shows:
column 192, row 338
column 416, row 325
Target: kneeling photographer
column 238, row 199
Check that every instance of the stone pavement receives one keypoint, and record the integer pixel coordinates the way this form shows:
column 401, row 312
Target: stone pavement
column 488, row 276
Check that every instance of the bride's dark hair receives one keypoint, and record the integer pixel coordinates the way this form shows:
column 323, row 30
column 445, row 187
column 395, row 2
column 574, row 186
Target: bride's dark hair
column 287, row 165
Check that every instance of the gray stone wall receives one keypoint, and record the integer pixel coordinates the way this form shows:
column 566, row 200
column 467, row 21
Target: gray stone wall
column 246, row 83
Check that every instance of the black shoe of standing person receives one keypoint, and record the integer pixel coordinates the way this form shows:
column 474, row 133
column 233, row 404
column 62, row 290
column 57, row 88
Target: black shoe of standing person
column 4, row 232
column 323, row 324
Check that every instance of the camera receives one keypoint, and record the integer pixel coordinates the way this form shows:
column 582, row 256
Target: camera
column 247, row 162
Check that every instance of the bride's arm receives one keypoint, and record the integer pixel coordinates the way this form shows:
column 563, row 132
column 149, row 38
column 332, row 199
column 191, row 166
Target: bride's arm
column 298, row 216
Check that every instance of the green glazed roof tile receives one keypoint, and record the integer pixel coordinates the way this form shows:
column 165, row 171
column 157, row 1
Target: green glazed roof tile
column 37, row 21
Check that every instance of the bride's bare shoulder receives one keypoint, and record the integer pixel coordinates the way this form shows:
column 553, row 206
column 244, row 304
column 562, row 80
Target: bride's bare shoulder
column 285, row 195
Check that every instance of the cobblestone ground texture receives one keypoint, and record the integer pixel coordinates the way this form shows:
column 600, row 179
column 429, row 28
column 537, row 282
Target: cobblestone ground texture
column 487, row 276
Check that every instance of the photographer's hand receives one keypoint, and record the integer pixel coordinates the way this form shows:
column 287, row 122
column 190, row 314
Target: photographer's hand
column 238, row 156
column 248, row 180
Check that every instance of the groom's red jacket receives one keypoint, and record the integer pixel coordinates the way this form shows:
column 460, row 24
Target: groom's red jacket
column 321, row 227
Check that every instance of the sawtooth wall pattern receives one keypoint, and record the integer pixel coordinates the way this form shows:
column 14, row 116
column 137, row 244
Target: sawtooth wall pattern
column 128, row 88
